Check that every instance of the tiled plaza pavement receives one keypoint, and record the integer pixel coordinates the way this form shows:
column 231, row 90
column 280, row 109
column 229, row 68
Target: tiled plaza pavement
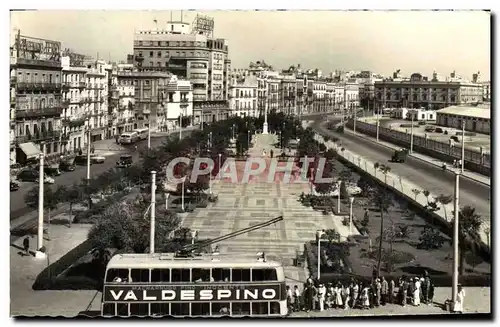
column 242, row 205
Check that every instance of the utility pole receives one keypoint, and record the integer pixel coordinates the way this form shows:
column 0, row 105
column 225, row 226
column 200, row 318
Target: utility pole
column 463, row 146
column 88, row 153
column 41, row 180
column 152, row 213
column 455, row 239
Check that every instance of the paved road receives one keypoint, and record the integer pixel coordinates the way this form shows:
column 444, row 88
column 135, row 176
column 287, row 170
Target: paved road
column 428, row 176
column 17, row 205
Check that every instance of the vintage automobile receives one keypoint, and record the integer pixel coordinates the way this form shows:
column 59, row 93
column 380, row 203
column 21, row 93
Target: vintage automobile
column 97, row 159
column 125, row 161
column 399, row 155
column 31, row 175
column 14, row 186
column 67, row 165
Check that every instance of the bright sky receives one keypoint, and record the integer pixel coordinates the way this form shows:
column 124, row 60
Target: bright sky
column 381, row 41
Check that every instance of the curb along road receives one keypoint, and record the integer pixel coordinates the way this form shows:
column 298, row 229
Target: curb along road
column 394, row 147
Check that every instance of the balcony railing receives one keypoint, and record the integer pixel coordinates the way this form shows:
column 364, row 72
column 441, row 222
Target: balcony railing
column 65, row 103
column 38, row 86
column 74, row 122
column 41, row 112
column 38, row 136
column 82, row 85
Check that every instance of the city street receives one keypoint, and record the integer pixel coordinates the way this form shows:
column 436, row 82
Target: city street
column 19, row 208
column 419, row 172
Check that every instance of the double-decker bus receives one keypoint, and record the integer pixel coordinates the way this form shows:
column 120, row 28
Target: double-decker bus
column 157, row 285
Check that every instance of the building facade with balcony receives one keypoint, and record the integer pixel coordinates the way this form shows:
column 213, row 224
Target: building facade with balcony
column 75, row 110
column 178, row 103
column 243, row 96
column 198, row 57
column 121, row 101
column 351, row 97
column 96, row 102
column 420, row 92
column 288, row 95
column 35, row 75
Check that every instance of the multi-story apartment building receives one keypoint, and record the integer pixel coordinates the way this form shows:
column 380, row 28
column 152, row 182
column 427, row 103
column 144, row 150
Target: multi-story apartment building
column 351, row 97
column 319, row 96
column 35, row 76
column 97, row 99
column 288, row 95
column 419, row 92
column 189, row 53
column 122, row 100
column 75, row 113
column 243, row 96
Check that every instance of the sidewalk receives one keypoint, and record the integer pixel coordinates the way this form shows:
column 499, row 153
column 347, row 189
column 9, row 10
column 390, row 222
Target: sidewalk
column 467, row 173
column 404, row 186
column 477, row 300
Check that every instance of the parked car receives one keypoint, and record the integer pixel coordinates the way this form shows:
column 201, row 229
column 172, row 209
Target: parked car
column 399, row 155
column 67, row 165
column 50, row 170
column 14, row 186
column 438, row 130
column 125, row 161
column 97, row 159
column 82, row 160
column 430, row 129
column 31, row 175
column 454, row 138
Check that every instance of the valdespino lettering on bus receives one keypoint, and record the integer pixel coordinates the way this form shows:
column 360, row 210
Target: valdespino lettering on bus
column 181, row 293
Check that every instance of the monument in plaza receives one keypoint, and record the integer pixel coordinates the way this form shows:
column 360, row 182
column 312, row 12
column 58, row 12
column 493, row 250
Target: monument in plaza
column 264, row 127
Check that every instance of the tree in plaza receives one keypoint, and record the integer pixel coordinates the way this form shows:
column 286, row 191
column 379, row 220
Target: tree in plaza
column 444, row 200
column 344, row 194
column 469, row 224
column 331, row 235
column 123, row 226
column 51, row 199
column 382, row 201
column 71, row 195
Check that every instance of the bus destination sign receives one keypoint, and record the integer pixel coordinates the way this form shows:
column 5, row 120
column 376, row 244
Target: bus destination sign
column 180, row 293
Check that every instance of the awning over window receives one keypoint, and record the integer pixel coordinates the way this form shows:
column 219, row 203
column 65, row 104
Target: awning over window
column 30, row 150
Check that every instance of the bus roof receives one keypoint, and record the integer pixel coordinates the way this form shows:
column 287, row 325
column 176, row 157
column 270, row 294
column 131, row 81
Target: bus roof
column 128, row 133
column 168, row 260
column 140, row 129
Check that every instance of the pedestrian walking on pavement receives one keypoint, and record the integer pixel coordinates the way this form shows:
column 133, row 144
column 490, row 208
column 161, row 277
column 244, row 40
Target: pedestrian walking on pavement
column 384, row 291
column 92, row 149
column 26, row 245
column 296, row 298
column 392, row 287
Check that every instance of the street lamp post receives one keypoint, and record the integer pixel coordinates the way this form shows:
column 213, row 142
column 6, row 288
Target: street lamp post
column 88, row 154
column 463, row 147
column 319, row 234
column 351, row 200
column 41, row 180
column 248, row 139
column 378, row 125
column 355, row 117
column 180, row 126
column 166, row 200
column 338, row 196
column 182, row 194
column 411, row 135
column 455, row 238
column 152, row 213
column 220, row 158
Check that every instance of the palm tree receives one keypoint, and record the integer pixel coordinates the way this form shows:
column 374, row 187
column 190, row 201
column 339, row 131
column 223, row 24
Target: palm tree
column 469, row 223
column 376, row 166
column 385, row 170
column 426, row 193
column 444, row 200
column 416, row 192
column 382, row 201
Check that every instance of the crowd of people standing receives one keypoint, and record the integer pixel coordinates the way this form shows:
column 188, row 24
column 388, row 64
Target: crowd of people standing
column 358, row 295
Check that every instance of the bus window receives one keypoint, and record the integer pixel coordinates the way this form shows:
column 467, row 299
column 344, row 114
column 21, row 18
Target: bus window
column 116, row 273
column 139, row 309
column 160, row 275
column 241, row 275
column 241, row 309
column 122, row 309
column 160, row 309
column 109, row 309
column 221, row 275
column 261, row 275
column 139, row 275
column 200, row 309
column 181, row 275
column 260, row 308
column 201, row 275
column 275, row 308
column 179, row 309
column 220, row 309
